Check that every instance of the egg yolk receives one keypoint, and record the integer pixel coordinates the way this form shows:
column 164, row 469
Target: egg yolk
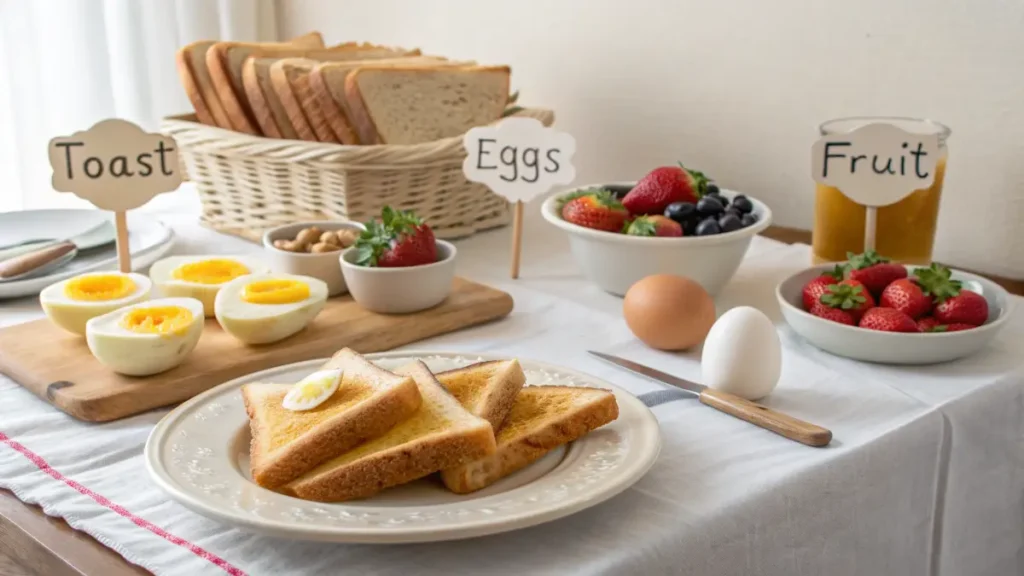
column 164, row 320
column 99, row 287
column 215, row 271
column 275, row 291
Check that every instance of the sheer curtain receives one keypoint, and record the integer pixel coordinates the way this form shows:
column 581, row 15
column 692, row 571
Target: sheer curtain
column 65, row 64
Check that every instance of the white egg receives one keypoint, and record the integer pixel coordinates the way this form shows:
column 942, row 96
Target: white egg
column 146, row 338
column 265, row 308
column 201, row 277
column 742, row 354
column 312, row 391
column 71, row 303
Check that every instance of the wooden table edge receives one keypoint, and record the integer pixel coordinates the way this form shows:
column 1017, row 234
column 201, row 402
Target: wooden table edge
column 49, row 546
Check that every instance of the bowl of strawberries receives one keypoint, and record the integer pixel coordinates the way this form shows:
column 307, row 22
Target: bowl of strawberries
column 871, row 309
column 672, row 221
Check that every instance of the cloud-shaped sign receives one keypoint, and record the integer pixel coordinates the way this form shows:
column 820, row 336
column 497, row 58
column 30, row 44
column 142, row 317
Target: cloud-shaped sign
column 115, row 165
column 519, row 158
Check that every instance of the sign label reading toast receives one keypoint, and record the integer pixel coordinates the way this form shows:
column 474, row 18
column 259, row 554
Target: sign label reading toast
column 876, row 164
column 519, row 158
column 115, row 165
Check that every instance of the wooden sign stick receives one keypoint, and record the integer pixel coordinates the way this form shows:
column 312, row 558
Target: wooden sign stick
column 517, row 238
column 124, row 255
column 870, row 227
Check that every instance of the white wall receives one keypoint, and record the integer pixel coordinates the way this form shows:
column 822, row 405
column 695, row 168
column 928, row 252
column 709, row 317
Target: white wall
column 737, row 87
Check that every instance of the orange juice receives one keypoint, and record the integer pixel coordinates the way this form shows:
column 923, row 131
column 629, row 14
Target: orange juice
column 905, row 230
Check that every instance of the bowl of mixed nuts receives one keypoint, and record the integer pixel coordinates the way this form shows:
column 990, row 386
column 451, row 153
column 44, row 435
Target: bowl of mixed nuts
column 312, row 249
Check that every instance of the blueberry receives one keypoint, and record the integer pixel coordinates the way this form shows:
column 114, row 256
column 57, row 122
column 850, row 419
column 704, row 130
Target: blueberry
column 690, row 227
column 733, row 210
column 618, row 190
column 709, row 206
column 681, row 211
column 721, row 199
column 712, row 188
column 729, row 223
column 748, row 220
column 708, row 227
column 743, row 204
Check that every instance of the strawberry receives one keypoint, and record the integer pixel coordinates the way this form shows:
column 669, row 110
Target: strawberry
column 400, row 239
column 887, row 320
column 930, row 324
column 663, row 186
column 816, row 287
column 874, row 271
column 655, row 225
column 906, row 296
column 953, row 304
column 834, row 314
column 595, row 208
column 849, row 295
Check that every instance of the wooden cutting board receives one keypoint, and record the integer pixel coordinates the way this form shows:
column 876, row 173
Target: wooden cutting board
column 58, row 367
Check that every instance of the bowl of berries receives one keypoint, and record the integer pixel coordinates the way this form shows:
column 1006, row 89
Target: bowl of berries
column 871, row 309
column 673, row 221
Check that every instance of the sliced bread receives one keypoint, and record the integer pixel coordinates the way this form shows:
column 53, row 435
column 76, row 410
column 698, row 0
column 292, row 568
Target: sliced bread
column 487, row 389
column 441, row 434
column 410, row 105
column 542, row 418
column 369, row 401
column 195, row 79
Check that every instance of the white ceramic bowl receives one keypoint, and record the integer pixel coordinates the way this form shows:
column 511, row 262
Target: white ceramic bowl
column 892, row 347
column 401, row 290
column 616, row 261
column 322, row 266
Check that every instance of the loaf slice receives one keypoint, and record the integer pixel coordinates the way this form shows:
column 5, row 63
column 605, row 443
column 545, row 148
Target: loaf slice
column 442, row 434
column 410, row 105
column 487, row 389
column 285, row 443
column 542, row 418
column 327, row 81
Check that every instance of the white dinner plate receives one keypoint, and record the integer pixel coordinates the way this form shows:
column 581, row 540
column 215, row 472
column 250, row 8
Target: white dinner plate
column 199, row 454
column 148, row 239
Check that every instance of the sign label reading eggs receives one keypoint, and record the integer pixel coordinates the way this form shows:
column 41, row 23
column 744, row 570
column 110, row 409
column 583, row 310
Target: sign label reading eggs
column 876, row 164
column 115, row 165
column 519, row 158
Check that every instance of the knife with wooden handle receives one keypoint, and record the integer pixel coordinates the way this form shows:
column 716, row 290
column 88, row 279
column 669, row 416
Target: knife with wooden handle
column 33, row 260
column 733, row 405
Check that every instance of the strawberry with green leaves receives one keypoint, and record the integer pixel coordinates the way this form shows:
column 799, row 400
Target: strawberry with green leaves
column 953, row 303
column 907, row 296
column 850, row 296
column 819, row 285
column 931, row 325
column 663, row 186
column 655, row 225
column 595, row 208
column 399, row 240
column 874, row 271
column 887, row 320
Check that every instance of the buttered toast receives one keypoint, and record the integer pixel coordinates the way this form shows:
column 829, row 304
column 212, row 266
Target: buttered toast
column 286, row 443
column 487, row 389
column 542, row 418
column 441, row 434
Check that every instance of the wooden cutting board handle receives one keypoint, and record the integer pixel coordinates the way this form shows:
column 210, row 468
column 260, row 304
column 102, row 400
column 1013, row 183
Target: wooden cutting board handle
column 28, row 262
column 766, row 418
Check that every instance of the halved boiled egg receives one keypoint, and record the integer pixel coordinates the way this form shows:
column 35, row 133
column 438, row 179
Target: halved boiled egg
column 73, row 302
column 146, row 338
column 201, row 277
column 264, row 308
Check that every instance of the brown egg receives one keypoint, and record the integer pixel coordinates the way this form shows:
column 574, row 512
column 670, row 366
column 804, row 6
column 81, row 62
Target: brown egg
column 668, row 312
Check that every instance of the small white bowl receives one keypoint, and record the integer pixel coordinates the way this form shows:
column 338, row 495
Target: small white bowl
column 616, row 261
column 892, row 347
column 320, row 266
column 401, row 290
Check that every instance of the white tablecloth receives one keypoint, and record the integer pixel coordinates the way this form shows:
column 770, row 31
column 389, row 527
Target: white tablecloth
column 924, row 475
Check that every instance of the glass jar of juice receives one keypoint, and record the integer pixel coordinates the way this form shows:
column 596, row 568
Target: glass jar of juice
column 905, row 230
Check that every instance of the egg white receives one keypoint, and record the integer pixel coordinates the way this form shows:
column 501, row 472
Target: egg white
column 72, row 315
column 266, row 323
column 136, row 354
column 162, row 275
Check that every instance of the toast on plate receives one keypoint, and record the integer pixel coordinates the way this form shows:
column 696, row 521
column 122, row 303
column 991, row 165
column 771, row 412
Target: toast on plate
column 542, row 418
column 369, row 401
column 415, row 104
column 441, row 434
column 487, row 389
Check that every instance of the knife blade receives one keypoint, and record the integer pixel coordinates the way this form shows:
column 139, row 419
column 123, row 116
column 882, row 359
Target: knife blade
column 752, row 412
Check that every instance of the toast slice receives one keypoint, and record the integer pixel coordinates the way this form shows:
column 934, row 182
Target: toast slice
column 410, row 105
column 285, row 443
column 441, row 434
column 542, row 419
column 487, row 389
column 327, row 82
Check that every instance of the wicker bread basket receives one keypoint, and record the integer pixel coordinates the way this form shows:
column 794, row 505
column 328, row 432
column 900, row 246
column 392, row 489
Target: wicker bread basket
column 248, row 184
